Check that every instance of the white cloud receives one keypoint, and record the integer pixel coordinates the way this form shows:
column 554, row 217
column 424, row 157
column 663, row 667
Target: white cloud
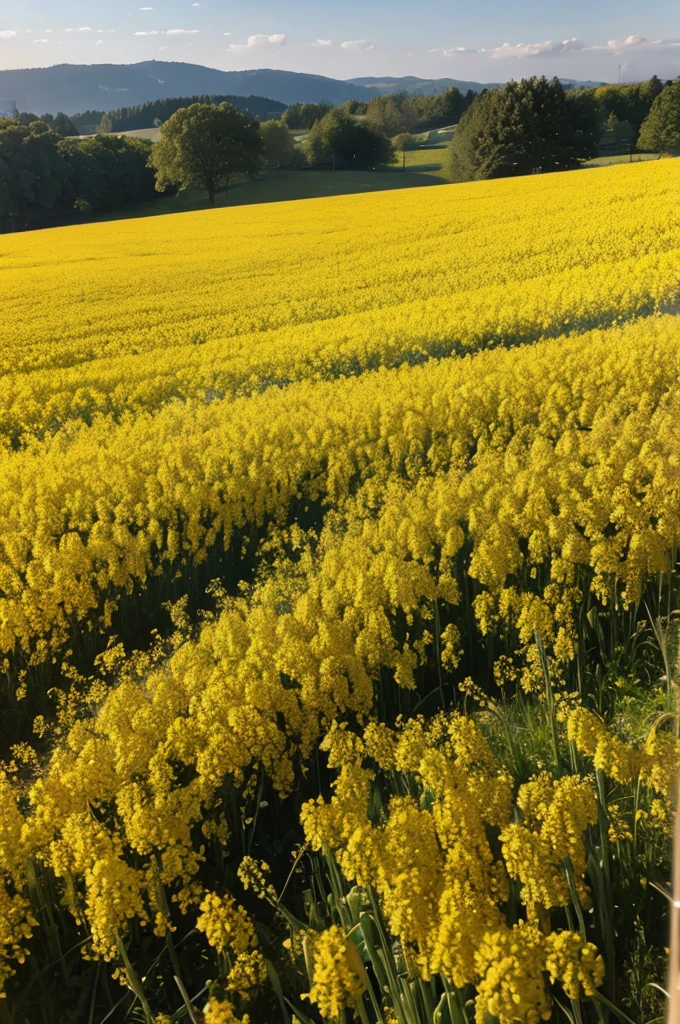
column 557, row 48
column 7, row 34
column 450, row 53
column 146, row 8
column 357, row 44
column 549, row 48
column 41, row 40
column 85, row 28
column 323, row 42
column 254, row 42
column 100, row 42
column 169, row 32
column 638, row 44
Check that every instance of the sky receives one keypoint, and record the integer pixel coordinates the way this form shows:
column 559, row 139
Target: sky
column 483, row 40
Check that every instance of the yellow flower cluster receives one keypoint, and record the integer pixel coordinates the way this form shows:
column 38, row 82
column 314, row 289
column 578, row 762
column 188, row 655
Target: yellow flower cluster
column 227, row 927
column 533, row 454
column 96, row 324
column 221, row 1011
column 337, row 972
column 429, row 858
column 656, row 762
column 230, row 931
column 16, row 918
column 555, row 815
column 348, row 428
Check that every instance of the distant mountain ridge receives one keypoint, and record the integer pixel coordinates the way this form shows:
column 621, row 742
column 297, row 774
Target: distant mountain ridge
column 430, row 86
column 74, row 88
column 410, row 83
column 77, row 87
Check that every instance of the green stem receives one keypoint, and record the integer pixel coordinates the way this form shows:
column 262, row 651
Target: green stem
column 186, row 1000
column 134, row 982
column 550, row 701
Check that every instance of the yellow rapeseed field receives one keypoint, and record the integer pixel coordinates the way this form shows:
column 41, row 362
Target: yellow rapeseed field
column 339, row 615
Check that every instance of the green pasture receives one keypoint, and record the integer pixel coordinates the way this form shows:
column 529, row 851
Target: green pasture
column 279, row 186
column 424, row 160
column 606, row 161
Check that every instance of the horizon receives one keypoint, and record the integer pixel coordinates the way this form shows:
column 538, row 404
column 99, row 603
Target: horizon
column 604, row 42
column 499, row 80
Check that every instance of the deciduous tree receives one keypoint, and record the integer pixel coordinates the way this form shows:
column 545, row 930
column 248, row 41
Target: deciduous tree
column 279, row 145
column 205, row 146
column 34, row 176
column 339, row 139
column 660, row 132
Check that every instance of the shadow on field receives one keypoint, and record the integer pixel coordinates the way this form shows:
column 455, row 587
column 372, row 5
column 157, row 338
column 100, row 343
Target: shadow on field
column 279, row 186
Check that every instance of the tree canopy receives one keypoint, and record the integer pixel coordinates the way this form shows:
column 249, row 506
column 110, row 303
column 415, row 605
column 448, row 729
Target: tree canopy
column 630, row 102
column 660, row 132
column 524, row 127
column 404, row 142
column 60, row 123
column 46, row 179
column 305, row 115
column 145, row 115
column 339, row 139
column 205, row 146
column 393, row 114
column 108, row 172
column 34, row 176
column 399, row 112
column 279, row 145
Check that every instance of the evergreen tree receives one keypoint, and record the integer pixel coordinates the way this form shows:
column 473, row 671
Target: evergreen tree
column 660, row 132
column 64, row 126
column 525, row 127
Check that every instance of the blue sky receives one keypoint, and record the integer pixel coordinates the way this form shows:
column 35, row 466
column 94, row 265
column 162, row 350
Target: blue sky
column 486, row 40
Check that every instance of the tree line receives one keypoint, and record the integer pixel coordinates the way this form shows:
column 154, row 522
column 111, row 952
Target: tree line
column 524, row 127
column 156, row 112
column 536, row 126
column 46, row 179
column 146, row 115
column 391, row 114
column 60, row 123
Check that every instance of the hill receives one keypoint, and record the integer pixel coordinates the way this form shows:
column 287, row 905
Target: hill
column 76, row 87
column 430, row 86
column 427, row 86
